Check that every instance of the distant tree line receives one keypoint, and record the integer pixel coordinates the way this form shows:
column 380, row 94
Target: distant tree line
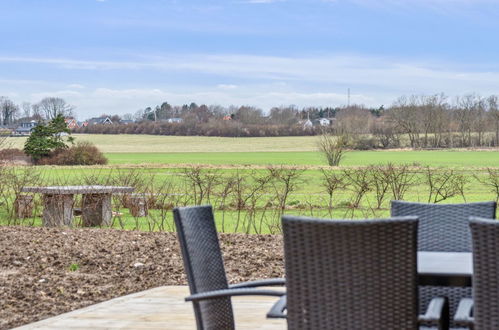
column 47, row 109
column 417, row 121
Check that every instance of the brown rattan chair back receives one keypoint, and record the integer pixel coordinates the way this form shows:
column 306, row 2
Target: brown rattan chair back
column 345, row 274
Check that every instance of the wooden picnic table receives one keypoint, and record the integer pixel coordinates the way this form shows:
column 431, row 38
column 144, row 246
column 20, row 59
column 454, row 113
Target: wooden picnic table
column 58, row 202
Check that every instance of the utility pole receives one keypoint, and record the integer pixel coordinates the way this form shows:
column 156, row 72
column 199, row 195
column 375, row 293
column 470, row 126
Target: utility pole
column 348, row 98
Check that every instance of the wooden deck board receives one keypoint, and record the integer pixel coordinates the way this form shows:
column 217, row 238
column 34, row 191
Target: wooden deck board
column 159, row 308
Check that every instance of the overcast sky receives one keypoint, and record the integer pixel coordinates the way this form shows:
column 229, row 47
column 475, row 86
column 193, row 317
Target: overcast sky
column 118, row 56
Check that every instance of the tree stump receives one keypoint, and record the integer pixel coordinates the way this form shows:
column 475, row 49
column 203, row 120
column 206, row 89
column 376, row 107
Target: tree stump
column 96, row 210
column 23, row 206
column 138, row 206
column 57, row 210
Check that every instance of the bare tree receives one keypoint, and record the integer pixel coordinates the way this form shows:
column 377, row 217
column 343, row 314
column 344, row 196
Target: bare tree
column 433, row 119
column 8, row 111
column 284, row 115
column 26, row 106
column 51, row 107
column 465, row 116
column 355, row 119
column 249, row 115
column 37, row 112
column 385, row 132
column 405, row 115
column 127, row 116
column 493, row 111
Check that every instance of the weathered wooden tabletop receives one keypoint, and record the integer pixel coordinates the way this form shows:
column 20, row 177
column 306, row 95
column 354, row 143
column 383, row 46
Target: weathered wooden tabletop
column 72, row 190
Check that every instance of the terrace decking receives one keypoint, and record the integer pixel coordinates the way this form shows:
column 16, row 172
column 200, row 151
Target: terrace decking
column 158, row 308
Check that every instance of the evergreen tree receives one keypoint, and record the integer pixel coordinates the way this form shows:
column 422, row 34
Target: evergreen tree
column 46, row 138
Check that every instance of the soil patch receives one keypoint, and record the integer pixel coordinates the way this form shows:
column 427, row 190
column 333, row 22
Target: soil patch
column 49, row 271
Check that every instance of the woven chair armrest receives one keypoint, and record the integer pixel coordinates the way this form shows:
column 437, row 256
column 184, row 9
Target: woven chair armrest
column 264, row 282
column 437, row 313
column 463, row 313
column 277, row 311
column 233, row 292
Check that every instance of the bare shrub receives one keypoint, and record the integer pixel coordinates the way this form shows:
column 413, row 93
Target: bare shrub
column 163, row 197
column 227, row 188
column 12, row 155
column 134, row 177
column 202, row 182
column 442, row 184
column 332, row 181
column 400, row 178
column 12, row 181
column 284, row 182
column 491, row 181
column 380, row 182
column 359, row 182
column 4, row 143
column 248, row 189
column 461, row 182
column 332, row 147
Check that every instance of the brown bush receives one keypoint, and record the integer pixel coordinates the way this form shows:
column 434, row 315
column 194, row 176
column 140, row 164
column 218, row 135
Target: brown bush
column 13, row 153
column 83, row 153
column 14, row 156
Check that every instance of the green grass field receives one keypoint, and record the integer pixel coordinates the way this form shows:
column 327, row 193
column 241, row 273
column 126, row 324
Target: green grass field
column 352, row 158
column 295, row 150
column 160, row 160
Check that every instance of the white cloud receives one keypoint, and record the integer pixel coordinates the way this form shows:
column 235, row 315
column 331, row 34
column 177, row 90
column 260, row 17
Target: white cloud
column 336, row 69
column 226, row 86
column 263, row 1
column 263, row 81
column 76, row 86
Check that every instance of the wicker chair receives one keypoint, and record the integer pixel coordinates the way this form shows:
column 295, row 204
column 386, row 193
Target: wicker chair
column 203, row 262
column 344, row 274
column 444, row 227
column 483, row 311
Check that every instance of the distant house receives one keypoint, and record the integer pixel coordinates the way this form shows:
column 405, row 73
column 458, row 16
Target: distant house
column 82, row 123
column 71, row 122
column 228, row 117
column 174, row 120
column 25, row 128
column 100, row 121
column 324, row 121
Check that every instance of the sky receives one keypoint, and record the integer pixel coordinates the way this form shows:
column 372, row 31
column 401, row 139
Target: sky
column 119, row 56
